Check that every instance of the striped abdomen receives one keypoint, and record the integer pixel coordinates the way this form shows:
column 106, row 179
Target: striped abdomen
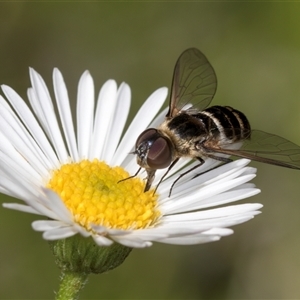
column 225, row 122
column 217, row 124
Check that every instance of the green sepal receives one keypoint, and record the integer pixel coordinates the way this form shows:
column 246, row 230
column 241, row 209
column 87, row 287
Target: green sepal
column 83, row 255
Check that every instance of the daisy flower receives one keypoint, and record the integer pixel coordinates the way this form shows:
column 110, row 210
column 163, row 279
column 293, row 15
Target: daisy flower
column 70, row 176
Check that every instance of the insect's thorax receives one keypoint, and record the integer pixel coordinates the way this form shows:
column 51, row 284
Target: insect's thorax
column 220, row 125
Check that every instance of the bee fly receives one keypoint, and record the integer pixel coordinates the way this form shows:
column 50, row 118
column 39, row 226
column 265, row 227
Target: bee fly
column 192, row 130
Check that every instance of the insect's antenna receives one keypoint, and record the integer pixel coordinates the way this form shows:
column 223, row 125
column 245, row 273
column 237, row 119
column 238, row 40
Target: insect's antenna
column 130, row 176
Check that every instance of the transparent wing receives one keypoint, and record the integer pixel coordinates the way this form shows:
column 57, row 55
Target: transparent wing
column 267, row 148
column 194, row 82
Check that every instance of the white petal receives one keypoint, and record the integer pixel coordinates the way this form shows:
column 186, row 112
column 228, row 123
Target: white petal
column 119, row 120
column 57, row 206
column 23, row 190
column 211, row 176
column 81, row 230
column 21, row 207
column 192, row 200
column 85, row 114
column 59, row 233
column 219, row 231
column 102, row 241
column 236, row 194
column 31, row 123
column 145, row 234
column 15, row 162
column 104, row 114
column 102, row 230
column 64, row 110
column 213, row 213
column 141, row 121
column 132, row 242
column 159, row 118
column 204, row 225
column 190, row 240
column 20, row 139
column 45, row 225
column 46, row 113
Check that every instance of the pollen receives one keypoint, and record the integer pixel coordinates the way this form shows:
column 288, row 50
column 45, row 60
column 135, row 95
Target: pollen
column 93, row 193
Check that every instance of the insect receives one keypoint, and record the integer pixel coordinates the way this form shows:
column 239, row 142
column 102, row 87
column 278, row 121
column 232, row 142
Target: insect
column 192, row 130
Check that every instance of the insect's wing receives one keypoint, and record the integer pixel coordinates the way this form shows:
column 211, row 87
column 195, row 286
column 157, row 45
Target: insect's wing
column 194, row 82
column 268, row 148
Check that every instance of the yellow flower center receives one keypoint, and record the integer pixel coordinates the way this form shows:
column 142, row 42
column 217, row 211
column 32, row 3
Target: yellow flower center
column 91, row 192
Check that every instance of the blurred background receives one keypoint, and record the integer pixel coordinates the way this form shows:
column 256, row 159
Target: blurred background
column 255, row 50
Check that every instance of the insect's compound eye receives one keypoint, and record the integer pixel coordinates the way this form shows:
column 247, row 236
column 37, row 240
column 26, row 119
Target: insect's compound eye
column 160, row 154
column 146, row 135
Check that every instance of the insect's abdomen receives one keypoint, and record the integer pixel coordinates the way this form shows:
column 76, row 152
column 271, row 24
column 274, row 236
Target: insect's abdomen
column 225, row 122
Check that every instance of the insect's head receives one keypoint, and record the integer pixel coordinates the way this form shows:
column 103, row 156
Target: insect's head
column 153, row 150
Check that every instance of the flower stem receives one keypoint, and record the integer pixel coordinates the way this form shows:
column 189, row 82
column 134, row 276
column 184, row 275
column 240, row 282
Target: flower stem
column 71, row 284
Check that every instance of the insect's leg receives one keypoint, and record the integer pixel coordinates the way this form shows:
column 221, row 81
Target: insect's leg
column 170, row 167
column 220, row 158
column 188, row 171
column 138, row 171
column 224, row 161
